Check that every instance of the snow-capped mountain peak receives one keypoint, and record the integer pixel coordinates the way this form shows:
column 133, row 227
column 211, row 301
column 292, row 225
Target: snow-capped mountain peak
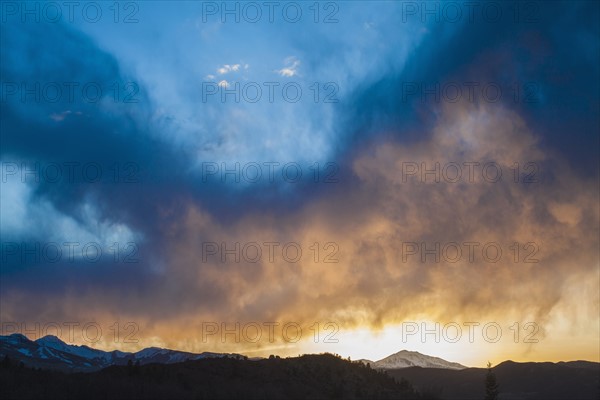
column 16, row 338
column 53, row 342
column 406, row 358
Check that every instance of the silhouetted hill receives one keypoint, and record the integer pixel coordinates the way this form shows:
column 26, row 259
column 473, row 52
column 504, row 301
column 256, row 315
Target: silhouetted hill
column 307, row 377
column 524, row 381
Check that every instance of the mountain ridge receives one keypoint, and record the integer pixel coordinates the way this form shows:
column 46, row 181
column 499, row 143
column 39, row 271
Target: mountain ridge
column 51, row 352
column 82, row 357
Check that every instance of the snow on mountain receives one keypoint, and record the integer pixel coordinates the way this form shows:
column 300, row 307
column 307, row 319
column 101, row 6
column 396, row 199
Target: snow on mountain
column 25, row 351
column 16, row 338
column 149, row 352
column 405, row 359
column 52, row 341
column 51, row 352
column 82, row 351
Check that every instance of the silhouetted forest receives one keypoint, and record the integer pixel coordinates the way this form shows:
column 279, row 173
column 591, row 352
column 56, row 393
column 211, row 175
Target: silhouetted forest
column 575, row 380
column 323, row 376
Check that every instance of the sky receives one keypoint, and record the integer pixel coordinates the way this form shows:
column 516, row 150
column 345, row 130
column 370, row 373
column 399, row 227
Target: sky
column 353, row 177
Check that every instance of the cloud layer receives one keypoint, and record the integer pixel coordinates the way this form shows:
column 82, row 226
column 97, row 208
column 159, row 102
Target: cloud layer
column 403, row 166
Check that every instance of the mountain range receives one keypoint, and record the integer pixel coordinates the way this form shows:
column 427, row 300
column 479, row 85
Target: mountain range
column 69, row 371
column 52, row 353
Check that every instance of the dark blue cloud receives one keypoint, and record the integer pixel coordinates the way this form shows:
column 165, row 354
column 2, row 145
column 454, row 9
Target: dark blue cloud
column 546, row 69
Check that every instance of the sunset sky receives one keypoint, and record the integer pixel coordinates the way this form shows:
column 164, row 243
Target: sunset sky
column 382, row 167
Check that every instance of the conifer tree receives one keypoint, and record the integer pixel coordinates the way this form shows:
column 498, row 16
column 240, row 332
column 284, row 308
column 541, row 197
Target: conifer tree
column 491, row 386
